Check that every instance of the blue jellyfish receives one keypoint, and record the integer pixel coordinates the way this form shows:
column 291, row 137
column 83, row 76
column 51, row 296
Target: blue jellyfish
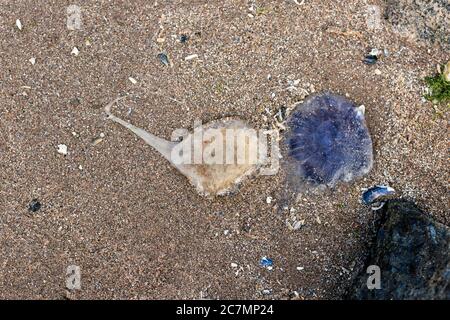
column 328, row 141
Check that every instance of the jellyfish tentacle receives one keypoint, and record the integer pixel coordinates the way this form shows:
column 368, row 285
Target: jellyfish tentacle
column 161, row 145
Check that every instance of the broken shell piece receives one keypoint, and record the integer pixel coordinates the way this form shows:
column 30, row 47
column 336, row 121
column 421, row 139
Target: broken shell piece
column 190, row 57
column 298, row 224
column 96, row 141
column 376, row 195
column 132, row 80
column 211, row 170
column 375, row 52
column 446, row 72
column 18, row 24
column 75, row 51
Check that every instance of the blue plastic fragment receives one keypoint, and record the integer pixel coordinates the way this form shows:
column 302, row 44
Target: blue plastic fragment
column 329, row 141
column 266, row 262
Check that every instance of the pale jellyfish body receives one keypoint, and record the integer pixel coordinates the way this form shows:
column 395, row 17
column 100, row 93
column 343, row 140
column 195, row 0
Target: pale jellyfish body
column 217, row 171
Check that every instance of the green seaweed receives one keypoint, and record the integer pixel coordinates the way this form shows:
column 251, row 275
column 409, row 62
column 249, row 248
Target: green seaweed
column 439, row 89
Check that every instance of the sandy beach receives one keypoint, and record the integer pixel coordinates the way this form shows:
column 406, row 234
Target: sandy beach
column 132, row 223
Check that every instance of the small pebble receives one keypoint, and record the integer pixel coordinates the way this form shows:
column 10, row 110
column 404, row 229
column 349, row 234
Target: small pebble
column 32, row 61
column 269, row 200
column 377, row 72
column 234, row 265
column 34, row 206
column 62, row 149
column 374, row 52
column 300, row 268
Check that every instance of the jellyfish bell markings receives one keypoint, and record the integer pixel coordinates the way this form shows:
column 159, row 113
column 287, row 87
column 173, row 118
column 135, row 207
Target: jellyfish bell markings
column 328, row 141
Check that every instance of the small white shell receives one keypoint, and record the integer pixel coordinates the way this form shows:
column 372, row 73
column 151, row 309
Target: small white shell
column 19, row 24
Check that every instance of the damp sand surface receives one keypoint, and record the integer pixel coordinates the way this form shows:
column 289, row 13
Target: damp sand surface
column 135, row 226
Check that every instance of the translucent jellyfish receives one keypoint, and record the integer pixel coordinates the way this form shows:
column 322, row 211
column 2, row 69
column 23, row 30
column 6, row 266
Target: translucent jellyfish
column 328, row 141
column 209, row 178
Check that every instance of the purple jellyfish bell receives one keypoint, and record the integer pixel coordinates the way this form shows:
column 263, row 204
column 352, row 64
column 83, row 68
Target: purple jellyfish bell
column 328, row 141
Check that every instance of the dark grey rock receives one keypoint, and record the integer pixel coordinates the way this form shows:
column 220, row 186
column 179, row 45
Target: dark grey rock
column 413, row 254
column 424, row 20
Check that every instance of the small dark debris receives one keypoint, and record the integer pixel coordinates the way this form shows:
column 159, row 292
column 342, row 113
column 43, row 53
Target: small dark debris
column 370, row 59
column 293, row 295
column 246, row 227
column 75, row 102
column 163, row 58
column 281, row 114
column 34, row 206
column 219, row 213
column 184, row 38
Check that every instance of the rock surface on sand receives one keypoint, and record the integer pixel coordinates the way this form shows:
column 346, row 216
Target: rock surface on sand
column 413, row 254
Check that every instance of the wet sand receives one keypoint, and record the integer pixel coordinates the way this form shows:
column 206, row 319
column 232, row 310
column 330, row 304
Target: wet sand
column 129, row 220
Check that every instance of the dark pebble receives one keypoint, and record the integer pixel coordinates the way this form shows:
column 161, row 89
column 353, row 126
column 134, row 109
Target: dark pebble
column 35, row 205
